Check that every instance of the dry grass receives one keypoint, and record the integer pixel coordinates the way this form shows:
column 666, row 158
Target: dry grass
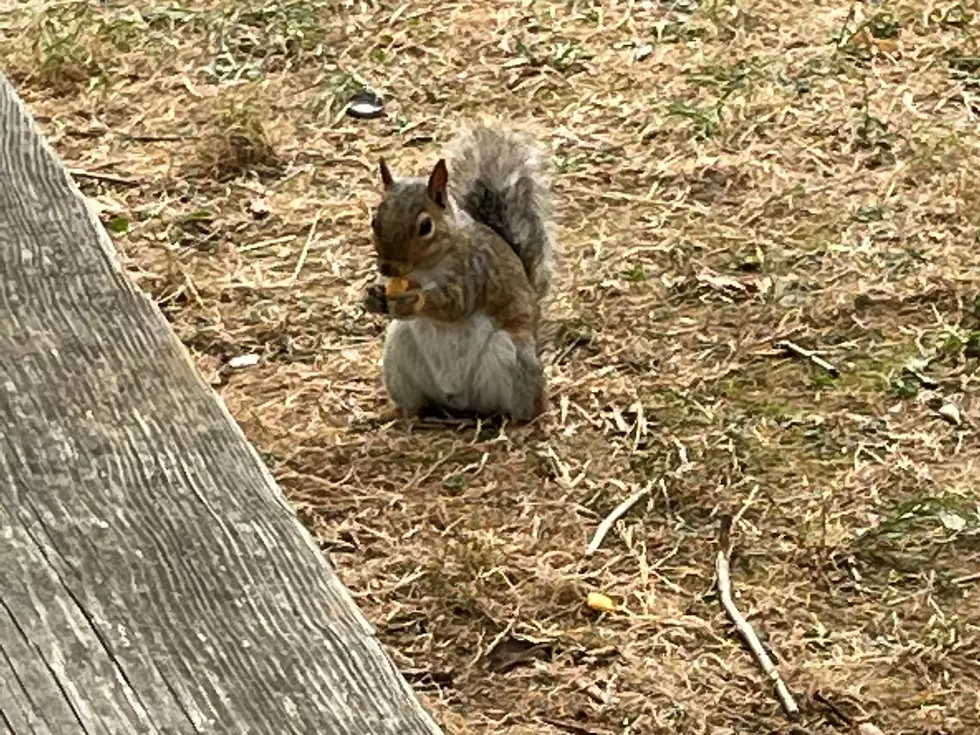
column 726, row 175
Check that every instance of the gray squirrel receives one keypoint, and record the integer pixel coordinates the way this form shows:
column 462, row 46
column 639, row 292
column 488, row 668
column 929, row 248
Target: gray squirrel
column 468, row 257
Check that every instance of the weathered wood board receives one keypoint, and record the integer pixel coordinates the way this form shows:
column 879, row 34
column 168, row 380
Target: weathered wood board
column 152, row 577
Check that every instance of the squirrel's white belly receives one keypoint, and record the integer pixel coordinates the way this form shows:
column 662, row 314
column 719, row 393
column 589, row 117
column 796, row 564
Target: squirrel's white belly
column 466, row 366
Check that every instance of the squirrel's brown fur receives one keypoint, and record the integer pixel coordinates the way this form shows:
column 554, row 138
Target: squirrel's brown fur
column 475, row 242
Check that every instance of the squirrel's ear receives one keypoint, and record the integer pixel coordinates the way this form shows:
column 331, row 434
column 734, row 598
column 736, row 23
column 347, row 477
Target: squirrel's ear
column 437, row 183
column 386, row 178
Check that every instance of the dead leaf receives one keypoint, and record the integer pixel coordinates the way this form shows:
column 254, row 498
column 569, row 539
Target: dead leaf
column 259, row 208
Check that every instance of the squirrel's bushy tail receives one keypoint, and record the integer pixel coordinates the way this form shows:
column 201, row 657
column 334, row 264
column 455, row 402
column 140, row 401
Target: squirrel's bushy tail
column 498, row 178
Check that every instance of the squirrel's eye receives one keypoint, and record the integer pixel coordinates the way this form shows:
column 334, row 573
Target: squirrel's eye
column 425, row 226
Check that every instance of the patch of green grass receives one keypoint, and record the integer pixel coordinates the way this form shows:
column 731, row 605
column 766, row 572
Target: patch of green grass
column 705, row 119
column 938, row 519
column 873, row 375
column 955, row 16
column 121, row 33
column 250, row 42
column 972, row 347
column 680, row 33
column 636, row 274
column 64, row 57
column 118, row 225
column 725, row 76
column 870, row 213
column 455, row 483
column 821, row 380
column 168, row 20
column 780, row 411
column 963, row 63
column 950, row 347
column 565, row 55
column 884, row 24
column 872, row 132
column 570, row 163
column 70, row 46
column 904, row 386
column 964, row 67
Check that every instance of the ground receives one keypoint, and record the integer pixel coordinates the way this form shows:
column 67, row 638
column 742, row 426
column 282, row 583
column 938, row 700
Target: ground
column 726, row 175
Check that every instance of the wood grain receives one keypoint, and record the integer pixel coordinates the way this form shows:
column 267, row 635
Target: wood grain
column 152, row 577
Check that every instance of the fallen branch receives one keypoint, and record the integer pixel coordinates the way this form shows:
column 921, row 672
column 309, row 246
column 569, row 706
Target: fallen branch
column 806, row 354
column 742, row 625
column 618, row 512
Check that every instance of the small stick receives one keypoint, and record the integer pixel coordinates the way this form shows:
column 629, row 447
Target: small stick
column 265, row 243
column 975, row 577
column 745, row 506
column 806, row 354
column 833, row 709
column 306, row 249
column 79, row 173
column 742, row 625
column 924, row 379
column 618, row 512
column 147, row 138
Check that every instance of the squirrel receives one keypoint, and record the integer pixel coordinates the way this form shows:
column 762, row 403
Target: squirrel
column 469, row 258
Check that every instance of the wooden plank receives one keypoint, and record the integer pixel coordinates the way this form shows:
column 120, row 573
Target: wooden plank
column 152, row 577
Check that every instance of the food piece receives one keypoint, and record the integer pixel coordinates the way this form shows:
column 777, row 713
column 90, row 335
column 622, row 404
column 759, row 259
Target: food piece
column 395, row 287
column 598, row 601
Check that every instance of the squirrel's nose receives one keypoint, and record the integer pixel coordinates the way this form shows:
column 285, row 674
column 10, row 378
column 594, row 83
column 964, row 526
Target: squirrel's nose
column 387, row 269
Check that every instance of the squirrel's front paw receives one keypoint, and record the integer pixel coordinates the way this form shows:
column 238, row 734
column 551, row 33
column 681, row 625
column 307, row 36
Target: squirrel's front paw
column 407, row 305
column 375, row 301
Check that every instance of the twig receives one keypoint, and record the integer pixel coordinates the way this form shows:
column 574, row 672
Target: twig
column 924, row 379
column 745, row 506
column 306, row 250
column 966, row 579
column 618, row 512
column 833, row 709
column 806, row 354
column 265, row 243
column 742, row 625
column 135, row 137
column 570, row 727
column 163, row 138
column 79, row 173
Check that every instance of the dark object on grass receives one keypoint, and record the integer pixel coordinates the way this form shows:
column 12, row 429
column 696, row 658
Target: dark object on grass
column 365, row 105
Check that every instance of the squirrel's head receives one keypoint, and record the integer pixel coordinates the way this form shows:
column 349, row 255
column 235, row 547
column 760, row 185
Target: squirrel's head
column 410, row 224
